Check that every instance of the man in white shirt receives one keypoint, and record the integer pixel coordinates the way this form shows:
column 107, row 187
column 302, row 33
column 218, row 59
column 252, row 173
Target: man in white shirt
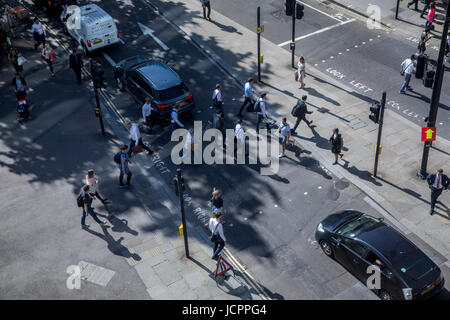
column 239, row 139
column 175, row 122
column 407, row 68
column 147, row 114
column 216, row 228
column 261, row 114
column 217, row 98
column 248, row 95
column 135, row 139
column 285, row 134
column 38, row 33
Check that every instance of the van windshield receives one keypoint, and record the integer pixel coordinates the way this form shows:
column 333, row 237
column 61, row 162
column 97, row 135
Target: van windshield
column 172, row 93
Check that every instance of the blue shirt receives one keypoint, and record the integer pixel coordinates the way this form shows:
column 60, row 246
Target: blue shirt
column 124, row 156
column 248, row 90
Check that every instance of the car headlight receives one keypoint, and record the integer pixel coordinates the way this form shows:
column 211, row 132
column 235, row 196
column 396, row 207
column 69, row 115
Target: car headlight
column 320, row 228
column 407, row 293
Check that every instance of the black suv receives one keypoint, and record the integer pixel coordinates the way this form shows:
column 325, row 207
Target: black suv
column 144, row 77
column 358, row 241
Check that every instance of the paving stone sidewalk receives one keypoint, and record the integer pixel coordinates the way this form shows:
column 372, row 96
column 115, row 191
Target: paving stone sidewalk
column 398, row 191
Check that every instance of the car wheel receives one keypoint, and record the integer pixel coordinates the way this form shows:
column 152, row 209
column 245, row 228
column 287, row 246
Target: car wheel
column 119, row 84
column 385, row 295
column 326, row 248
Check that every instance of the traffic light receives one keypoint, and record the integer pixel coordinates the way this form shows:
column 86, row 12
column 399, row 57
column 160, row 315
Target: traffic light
column 290, row 7
column 299, row 11
column 375, row 112
column 175, row 183
column 421, row 66
column 429, row 78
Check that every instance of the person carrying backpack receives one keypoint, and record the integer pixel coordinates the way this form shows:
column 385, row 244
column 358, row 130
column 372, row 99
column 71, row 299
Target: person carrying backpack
column 217, row 98
column 336, row 144
column 84, row 201
column 299, row 111
column 122, row 159
column 260, row 109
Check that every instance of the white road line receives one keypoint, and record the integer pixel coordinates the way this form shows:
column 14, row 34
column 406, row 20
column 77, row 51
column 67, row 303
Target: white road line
column 317, row 32
column 324, row 13
column 121, row 41
column 109, row 59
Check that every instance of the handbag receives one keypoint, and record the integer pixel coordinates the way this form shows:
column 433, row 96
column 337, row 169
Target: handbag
column 21, row 60
column 137, row 149
column 296, row 75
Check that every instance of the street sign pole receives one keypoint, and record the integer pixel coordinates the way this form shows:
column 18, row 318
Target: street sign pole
column 258, row 15
column 396, row 9
column 380, row 129
column 293, row 37
column 434, row 105
column 183, row 218
column 98, row 111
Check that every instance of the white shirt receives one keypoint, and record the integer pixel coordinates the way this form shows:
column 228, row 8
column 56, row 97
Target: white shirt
column 285, row 129
column 215, row 223
column 146, row 110
column 174, row 115
column 435, row 182
column 408, row 66
column 248, row 89
column 262, row 105
column 189, row 140
column 134, row 133
column 239, row 131
column 218, row 94
column 38, row 28
column 92, row 182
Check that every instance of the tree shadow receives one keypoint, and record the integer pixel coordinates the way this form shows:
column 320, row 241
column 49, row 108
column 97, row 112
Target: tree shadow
column 365, row 175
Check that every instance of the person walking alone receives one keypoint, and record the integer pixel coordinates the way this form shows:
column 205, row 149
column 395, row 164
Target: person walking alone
column 219, row 124
column 239, row 138
column 216, row 228
column 437, row 182
column 261, row 114
column 87, row 209
column 248, row 96
column 217, row 98
column 336, row 144
column 76, row 63
column 206, row 5
column 299, row 111
column 285, row 134
column 424, row 37
column 301, row 72
column 13, row 57
column 49, row 55
column 430, row 16
column 123, row 166
column 135, row 139
column 175, row 123
column 38, row 33
column 147, row 114
column 407, row 68
column 92, row 182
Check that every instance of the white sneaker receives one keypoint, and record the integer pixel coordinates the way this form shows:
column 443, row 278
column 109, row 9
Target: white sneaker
column 281, row 155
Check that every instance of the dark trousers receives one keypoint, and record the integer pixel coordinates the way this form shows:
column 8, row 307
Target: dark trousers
column 415, row 2
column 247, row 101
column 39, row 38
column 218, row 246
column 16, row 66
column 150, row 121
column 50, row 65
column 129, row 174
column 435, row 193
column 97, row 195
column 93, row 215
column 297, row 122
column 258, row 121
column 207, row 5
column 218, row 105
column 77, row 73
column 140, row 143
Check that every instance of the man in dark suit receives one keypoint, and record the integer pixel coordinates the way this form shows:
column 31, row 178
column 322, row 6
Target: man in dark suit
column 76, row 63
column 299, row 111
column 437, row 182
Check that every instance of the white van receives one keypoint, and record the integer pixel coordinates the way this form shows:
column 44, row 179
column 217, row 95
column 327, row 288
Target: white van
column 91, row 27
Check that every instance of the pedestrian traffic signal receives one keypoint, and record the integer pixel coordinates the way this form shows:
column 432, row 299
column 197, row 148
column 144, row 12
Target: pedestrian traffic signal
column 299, row 11
column 175, row 183
column 429, row 78
column 290, row 7
column 421, row 66
column 375, row 112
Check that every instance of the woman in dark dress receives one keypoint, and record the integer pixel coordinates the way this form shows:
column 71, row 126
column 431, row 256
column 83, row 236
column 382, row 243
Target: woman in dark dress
column 336, row 144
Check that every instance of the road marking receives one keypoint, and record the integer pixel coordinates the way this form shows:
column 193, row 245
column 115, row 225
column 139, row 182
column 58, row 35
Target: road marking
column 109, row 59
column 317, row 32
column 121, row 41
column 150, row 32
column 324, row 13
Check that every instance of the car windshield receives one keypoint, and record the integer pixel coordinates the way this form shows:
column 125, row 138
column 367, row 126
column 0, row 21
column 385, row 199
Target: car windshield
column 357, row 226
column 172, row 93
column 414, row 265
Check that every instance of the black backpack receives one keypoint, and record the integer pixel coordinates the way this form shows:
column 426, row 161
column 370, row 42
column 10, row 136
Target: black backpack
column 80, row 200
column 295, row 110
column 117, row 157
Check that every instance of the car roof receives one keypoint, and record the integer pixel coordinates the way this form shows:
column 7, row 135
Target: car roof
column 92, row 14
column 159, row 75
column 388, row 242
